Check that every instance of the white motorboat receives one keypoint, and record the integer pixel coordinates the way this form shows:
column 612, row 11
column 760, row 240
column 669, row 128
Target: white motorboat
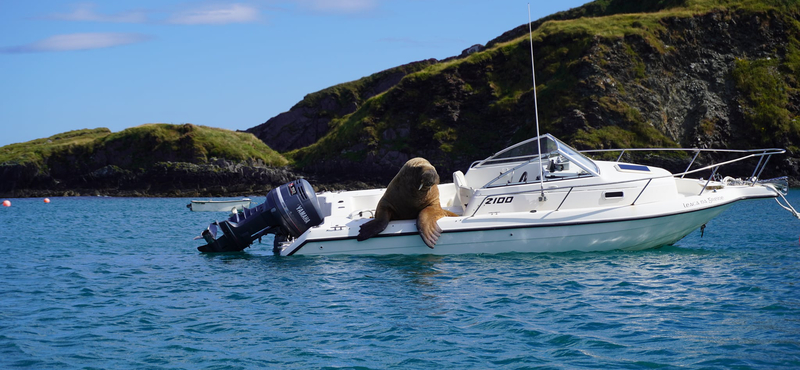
column 525, row 198
column 219, row 205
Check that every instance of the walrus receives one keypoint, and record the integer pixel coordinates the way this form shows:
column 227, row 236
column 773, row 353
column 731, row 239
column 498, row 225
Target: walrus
column 412, row 194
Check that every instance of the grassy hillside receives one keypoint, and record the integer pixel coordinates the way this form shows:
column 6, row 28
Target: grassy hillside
column 600, row 61
column 138, row 147
column 36, row 151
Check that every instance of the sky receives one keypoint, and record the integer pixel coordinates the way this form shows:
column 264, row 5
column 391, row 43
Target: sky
column 69, row 65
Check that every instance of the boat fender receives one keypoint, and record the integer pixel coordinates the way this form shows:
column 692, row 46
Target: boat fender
column 702, row 230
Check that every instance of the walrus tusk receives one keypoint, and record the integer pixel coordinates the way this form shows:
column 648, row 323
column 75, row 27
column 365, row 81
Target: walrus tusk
column 420, row 186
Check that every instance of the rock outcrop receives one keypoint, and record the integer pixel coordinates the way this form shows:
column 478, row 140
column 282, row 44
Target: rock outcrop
column 219, row 177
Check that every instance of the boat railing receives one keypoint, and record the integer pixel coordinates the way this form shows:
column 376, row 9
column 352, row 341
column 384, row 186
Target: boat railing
column 763, row 156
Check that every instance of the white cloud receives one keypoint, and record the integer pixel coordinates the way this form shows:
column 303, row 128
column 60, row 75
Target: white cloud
column 223, row 14
column 211, row 14
column 340, row 6
column 85, row 12
column 78, row 41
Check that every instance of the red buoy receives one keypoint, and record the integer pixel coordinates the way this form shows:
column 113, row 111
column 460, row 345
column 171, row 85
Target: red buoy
column 6, row 203
column 47, row 200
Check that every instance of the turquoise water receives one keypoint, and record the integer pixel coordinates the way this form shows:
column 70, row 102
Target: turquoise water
column 116, row 283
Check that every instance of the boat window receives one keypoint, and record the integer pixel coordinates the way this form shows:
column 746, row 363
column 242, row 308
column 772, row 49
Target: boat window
column 632, row 167
column 522, row 152
column 558, row 162
column 579, row 158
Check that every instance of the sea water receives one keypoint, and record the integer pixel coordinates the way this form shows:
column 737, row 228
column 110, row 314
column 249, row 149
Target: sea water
column 117, row 283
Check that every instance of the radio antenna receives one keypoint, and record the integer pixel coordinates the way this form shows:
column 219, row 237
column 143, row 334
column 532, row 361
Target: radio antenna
column 536, row 109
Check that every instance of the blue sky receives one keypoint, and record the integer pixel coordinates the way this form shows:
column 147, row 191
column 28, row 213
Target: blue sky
column 67, row 65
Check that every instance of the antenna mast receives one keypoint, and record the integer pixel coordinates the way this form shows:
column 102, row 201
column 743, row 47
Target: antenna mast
column 536, row 109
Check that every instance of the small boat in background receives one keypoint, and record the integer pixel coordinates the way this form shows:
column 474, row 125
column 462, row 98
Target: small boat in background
column 219, row 205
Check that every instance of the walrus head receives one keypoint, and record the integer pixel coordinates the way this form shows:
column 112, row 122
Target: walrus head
column 419, row 174
column 428, row 178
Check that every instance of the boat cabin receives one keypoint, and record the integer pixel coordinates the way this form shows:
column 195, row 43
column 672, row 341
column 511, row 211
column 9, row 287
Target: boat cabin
column 544, row 174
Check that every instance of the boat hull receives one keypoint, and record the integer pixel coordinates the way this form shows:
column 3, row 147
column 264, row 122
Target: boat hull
column 541, row 237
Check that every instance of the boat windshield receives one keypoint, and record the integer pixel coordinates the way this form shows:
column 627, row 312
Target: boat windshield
column 528, row 150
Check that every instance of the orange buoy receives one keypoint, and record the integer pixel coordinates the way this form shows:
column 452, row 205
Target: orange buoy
column 47, row 200
column 6, row 203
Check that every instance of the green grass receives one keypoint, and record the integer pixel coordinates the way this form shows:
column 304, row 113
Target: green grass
column 139, row 147
column 766, row 100
column 194, row 144
column 36, row 151
column 354, row 91
column 749, row 5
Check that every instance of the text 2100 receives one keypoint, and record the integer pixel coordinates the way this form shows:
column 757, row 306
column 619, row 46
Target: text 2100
column 498, row 200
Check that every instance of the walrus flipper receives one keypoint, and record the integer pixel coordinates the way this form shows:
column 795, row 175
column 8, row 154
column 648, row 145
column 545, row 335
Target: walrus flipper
column 428, row 228
column 372, row 228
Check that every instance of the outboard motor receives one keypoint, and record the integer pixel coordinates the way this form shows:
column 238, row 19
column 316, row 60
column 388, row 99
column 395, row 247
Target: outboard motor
column 288, row 211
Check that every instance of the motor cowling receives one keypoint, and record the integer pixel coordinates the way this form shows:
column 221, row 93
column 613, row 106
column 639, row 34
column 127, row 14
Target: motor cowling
column 289, row 210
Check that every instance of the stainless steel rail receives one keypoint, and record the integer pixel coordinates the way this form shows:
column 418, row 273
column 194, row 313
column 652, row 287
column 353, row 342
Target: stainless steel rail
column 763, row 158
